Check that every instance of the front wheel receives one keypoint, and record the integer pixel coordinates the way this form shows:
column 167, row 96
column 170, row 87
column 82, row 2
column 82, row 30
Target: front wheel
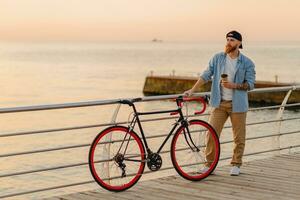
column 117, row 158
column 195, row 148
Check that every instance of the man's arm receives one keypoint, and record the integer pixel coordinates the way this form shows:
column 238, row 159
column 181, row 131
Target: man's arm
column 248, row 84
column 208, row 73
column 237, row 86
column 204, row 78
column 250, row 76
column 199, row 83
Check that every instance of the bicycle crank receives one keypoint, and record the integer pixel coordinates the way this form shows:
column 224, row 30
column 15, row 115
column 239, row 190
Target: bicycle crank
column 154, row 161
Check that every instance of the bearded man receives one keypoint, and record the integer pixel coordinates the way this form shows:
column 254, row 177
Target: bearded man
column 232, row 75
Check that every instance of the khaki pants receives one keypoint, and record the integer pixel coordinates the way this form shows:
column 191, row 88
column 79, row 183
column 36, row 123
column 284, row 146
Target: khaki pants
column 217, row 119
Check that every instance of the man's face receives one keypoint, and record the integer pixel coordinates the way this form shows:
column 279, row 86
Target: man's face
column 231, row 45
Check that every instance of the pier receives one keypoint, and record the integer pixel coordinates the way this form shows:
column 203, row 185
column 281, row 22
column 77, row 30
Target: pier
column 59, row 169
column 277, row 177
column 163, row 85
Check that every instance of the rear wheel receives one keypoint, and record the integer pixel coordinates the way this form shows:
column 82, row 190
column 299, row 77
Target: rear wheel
column 189, row 150
column 117, row 158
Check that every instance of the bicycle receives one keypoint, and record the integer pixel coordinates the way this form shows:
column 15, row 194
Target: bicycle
column 123, row 154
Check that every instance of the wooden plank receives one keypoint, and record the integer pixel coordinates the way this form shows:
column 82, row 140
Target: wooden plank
column 264, row 184
column 256, row 186
column 277, row 177
column 280, row 160
column 195, row 189
column 204, row 187
column 167, row 186
column 246, row 191
column 287, row 175
column 275, row 169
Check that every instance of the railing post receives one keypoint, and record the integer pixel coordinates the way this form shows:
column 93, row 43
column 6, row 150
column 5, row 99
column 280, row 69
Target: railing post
column 106, row 147
column 276, row 139
column 114, row 116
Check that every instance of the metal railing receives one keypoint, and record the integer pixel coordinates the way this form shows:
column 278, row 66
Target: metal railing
column 279, row 120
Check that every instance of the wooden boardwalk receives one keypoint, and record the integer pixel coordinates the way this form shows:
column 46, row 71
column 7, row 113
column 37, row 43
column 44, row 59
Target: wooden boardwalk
column 272, row 178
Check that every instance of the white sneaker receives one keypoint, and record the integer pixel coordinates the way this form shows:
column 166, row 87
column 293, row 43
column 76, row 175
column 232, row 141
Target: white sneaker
column 235, row 171
column 205, row 169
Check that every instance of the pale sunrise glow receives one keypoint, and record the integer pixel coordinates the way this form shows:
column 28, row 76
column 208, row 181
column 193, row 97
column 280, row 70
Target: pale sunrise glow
column 142, row 20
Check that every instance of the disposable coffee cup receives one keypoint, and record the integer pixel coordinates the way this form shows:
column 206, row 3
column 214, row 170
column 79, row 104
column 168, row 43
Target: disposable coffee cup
column 224, row 77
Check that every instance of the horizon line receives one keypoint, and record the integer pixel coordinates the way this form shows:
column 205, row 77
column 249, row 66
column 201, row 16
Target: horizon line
column 137, row 41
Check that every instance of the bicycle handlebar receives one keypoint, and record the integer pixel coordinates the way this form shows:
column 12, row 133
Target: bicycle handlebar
column 181, row 99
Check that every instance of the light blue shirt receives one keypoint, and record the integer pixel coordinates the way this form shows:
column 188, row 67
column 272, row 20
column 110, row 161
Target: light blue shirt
column 245, row 72
column 229, row 69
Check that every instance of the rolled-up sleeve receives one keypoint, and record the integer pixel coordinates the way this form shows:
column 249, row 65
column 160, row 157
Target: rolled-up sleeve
column 208, row 73
column 250, row 75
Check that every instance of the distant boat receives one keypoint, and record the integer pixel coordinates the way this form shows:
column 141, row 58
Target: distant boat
column 156, row 40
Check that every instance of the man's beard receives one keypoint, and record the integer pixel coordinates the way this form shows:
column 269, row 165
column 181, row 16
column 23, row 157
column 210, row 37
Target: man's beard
column 229, row 48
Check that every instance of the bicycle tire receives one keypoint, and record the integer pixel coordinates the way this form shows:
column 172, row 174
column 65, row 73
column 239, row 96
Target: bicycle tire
column 189, row 168
column 105, row 180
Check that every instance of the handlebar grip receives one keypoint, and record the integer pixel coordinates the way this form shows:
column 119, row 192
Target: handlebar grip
column 202, row 100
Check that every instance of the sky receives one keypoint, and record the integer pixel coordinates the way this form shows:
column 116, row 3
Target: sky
column 143, row 20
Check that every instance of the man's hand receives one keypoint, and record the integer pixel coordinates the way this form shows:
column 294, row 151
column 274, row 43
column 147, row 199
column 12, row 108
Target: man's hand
column 188, row 93
column 228, row 85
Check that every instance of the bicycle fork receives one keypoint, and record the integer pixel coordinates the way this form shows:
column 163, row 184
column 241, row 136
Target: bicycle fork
column 187, row 136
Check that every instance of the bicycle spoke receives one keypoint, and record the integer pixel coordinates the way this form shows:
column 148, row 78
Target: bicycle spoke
column 117, row 160
column 185, row 153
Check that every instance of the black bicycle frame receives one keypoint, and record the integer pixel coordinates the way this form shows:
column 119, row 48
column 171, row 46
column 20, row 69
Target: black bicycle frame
column 136, row 119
